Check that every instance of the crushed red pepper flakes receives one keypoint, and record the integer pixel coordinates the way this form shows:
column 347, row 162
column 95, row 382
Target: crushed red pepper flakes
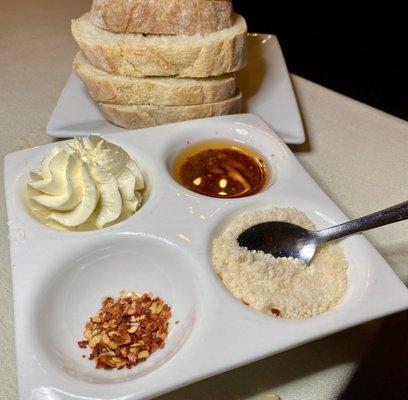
column 126, row 331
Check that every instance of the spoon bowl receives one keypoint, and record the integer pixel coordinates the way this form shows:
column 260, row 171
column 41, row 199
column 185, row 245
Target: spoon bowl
column 281, row 239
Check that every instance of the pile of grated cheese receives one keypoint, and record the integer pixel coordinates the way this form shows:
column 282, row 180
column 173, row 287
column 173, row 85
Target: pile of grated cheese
column 283, row 286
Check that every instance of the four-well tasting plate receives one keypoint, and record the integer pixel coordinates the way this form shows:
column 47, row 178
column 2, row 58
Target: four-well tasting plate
column 59, row 278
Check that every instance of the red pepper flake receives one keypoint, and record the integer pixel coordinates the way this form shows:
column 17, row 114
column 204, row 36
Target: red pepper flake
column 83, row 344
column 275, row 312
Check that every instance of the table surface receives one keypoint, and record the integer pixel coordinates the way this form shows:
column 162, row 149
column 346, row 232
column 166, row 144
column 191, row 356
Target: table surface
column 357, row 154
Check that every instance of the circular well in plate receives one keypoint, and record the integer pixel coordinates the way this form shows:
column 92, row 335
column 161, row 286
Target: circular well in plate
column 176, row 153
column 135, row 263
column 22, row 208
column 358, row 266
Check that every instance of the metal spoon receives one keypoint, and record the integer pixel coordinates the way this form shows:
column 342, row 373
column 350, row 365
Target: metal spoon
column 282, row 239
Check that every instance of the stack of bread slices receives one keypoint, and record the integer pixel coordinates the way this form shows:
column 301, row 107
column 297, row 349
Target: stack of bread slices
column 152, row 62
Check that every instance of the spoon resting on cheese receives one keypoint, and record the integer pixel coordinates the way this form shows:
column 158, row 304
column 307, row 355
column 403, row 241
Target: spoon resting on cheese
column 282, row 239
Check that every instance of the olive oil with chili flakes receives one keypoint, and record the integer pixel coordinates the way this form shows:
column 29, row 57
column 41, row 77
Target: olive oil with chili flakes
column 221, row 169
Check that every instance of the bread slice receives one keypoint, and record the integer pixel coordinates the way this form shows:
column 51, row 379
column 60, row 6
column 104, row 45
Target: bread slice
column 162, row 17
column 136, row 55
column 116, row 89
column 144, row 116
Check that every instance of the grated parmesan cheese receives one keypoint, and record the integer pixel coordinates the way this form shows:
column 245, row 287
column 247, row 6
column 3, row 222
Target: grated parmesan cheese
column 285, row 284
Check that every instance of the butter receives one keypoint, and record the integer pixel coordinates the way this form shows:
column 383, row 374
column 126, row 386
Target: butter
column 85, row 184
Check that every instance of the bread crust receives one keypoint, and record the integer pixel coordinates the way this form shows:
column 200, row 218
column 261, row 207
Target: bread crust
column 185, row 56
column 144, row 116
column 162, row 17
column 115, row 89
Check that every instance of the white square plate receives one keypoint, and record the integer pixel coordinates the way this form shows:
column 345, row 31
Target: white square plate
column 59, row 277
column 265, row 84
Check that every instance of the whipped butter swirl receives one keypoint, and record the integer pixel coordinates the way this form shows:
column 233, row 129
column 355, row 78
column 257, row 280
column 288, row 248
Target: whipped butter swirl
column 85, row 184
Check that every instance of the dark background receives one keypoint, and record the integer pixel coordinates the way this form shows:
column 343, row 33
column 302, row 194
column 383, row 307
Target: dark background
column 359, row 52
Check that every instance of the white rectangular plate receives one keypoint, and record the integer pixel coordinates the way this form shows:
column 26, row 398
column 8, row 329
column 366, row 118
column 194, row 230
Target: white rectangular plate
column 265, row 84
column 59, row 278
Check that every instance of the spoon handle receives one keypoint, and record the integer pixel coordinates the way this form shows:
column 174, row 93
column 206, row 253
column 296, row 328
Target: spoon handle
column 379, row 218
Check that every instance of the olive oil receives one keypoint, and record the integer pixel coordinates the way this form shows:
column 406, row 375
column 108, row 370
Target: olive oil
column 221, row 169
